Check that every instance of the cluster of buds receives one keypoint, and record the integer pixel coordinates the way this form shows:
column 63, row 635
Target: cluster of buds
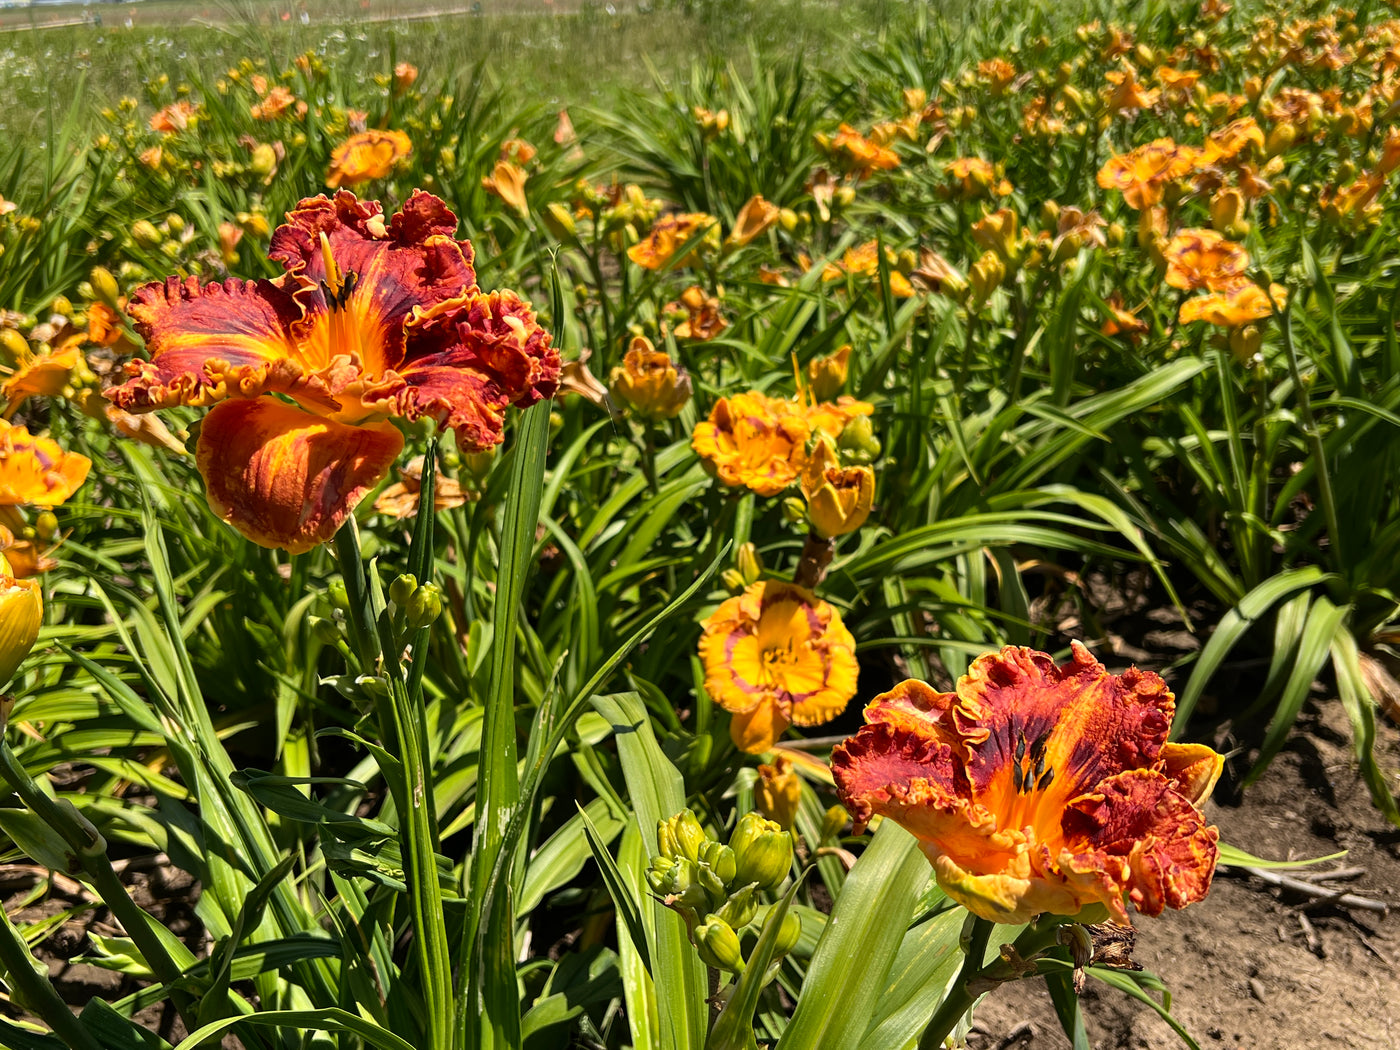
column 715, row 887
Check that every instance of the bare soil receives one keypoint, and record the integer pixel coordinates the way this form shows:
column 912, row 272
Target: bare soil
column 1253, row 965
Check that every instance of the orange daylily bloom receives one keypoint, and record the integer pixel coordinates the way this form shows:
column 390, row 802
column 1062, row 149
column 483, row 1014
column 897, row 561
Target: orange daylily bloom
column 1122, row 321
column 668, row 234
column 827, row 375
column 753, row 440
column 650, row 381
column 997, row 73
column 832, row 417
column 1238, row 306
column 702, row 321
column 974, row 177
column 273, row 104
column 1035, row 788
column 368, row 155
column 405, row 73
column 1127, row 95
column 1231, row 141
column 756, row 216
column 775, row 656
column 1142, row 174
column 864, row 260
column 371, row 319
column 858, row 153
column 37, row 471
column 838, row 498
column 174, row 117
column 1202, row 259
column 507, row 181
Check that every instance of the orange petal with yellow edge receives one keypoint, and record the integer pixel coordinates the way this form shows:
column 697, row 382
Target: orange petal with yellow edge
column 284, row 477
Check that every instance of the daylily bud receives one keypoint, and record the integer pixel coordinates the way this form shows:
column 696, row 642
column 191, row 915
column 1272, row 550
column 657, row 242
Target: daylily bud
column 838, row 499
column 763, row 851
column 62, row 306
column 144, row 233
column 1245, row 341
column 857, row 441
column 716, row 891
column 1280, row 139
column 323, row 630
column 16, row 347
column 738, row 911
column 681, row 836
column 1000, row 232
column 733, row 579
column 175, row 223
column 718, row 945
column 827, row 375
column 424, row 607
column 836, row 818
column 46, row 524
column 21, row 611
column 678, row 881
column 263, row 162
column 794, row 510
column 749, row 563
column 105, row 287
column 719, row 858
column 560, row 221
column 335, row 590
column 402, row 589
column 777, row 792
column 987, row 274
column 789, row 933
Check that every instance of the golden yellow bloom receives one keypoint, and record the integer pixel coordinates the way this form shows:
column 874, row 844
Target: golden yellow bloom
column 36, row 470
column 827, row 375
column 21, row 612
column 864, row 260
column 832, row 417
column 838, row 498
column 702, row 318
column 668, row 235
column 856, row 152
column 1127, row 95
column 997, row 73
column 1143, row 174
column 507, row 181
column 775, row 656
column 1121, row 321
column 1203, row 259
column 1035, row 788
column 368, row 155
column 753, row 440
column 754, row 217
column 650, row 381
column 1236, row 307
column 778, row 792
column 975, row 177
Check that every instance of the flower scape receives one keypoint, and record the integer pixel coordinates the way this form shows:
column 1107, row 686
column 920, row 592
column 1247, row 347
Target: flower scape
column 775, row 547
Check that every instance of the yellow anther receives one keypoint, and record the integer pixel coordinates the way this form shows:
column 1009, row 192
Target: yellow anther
column 334, row 280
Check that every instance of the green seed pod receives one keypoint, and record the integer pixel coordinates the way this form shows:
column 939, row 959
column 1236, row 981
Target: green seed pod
column 401, row 590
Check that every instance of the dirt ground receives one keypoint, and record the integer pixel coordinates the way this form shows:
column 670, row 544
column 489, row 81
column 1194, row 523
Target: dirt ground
column 1254, row 966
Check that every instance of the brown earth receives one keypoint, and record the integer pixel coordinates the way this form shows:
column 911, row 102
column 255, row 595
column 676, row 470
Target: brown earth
column 1253, row 965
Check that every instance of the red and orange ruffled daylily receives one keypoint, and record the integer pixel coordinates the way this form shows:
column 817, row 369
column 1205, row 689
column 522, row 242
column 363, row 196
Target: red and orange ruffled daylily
column 373, row 319
column 775, row 656
column 1035, row 788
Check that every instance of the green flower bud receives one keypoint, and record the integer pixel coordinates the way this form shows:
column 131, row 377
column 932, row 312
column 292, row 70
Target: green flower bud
column 401, row 590
column 335, row 590
column 718, row 945
column 738, row 911
column 733, row 579
column 763, row 851
column 424, row 606
column 715, row 889
column 679, row 884
column 836, row 818
column 858, row 440
column 104, row 286
column 687, row 836
column 749, row 563
column 794, row 510
column 719, row 858
column 144, row 233
column 788, row 933
column 323, row 630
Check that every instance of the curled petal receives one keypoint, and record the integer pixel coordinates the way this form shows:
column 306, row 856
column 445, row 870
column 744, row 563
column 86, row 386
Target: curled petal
column 284, row 477
column 1192, row 769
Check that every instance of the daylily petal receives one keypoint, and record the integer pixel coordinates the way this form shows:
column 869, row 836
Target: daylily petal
column 1192, row 769
column 209, row 343
column 35, row 470
column 284, row 477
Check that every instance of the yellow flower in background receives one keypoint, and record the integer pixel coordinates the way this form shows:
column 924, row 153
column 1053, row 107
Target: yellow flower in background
column 776, row 656
column 864, row 261
column 778, row 792
column 1035, row 788
column 668, row 234
column 368, row 155
column 838, row 498
column 650, row 381
column 1238, row 306
column 21, row 612
column 1202, row 259
column 37, row 471
column 507, row 181
column 753, row 440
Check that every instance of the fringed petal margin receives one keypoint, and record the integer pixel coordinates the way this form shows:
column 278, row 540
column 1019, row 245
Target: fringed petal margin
column 286, row 478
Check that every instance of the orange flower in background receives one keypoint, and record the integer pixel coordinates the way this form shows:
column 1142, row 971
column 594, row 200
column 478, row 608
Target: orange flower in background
column 778, row 792
column 507, row 181
column 756, row 216
column 273, row 104
column 371, row 319
column 1035, row 788
column 405, row 73
column 1233, row 141
column 832, row 417
column 1122, row 321
column 1127, row 95
column 1203, row 259
column 650, row 381
column 776, row 656
column 173, row 118
column 36, row 471
column 1142, row 174
column 1238, row 306
column 402, row 498
column 975, row 177
column 864, row 261
column 368, row 155
column 753, row 440
column 702, row 318
column 858, row 153
column 667, row 236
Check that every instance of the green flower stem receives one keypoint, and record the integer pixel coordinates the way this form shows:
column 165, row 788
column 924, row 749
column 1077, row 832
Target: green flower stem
column 973, row 978
column 36, row 993
column 401, row 732
column 90, row 853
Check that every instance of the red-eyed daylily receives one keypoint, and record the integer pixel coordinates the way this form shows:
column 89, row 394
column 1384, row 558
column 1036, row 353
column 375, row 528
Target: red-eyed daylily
column 373, row 319
column 1035, row 788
